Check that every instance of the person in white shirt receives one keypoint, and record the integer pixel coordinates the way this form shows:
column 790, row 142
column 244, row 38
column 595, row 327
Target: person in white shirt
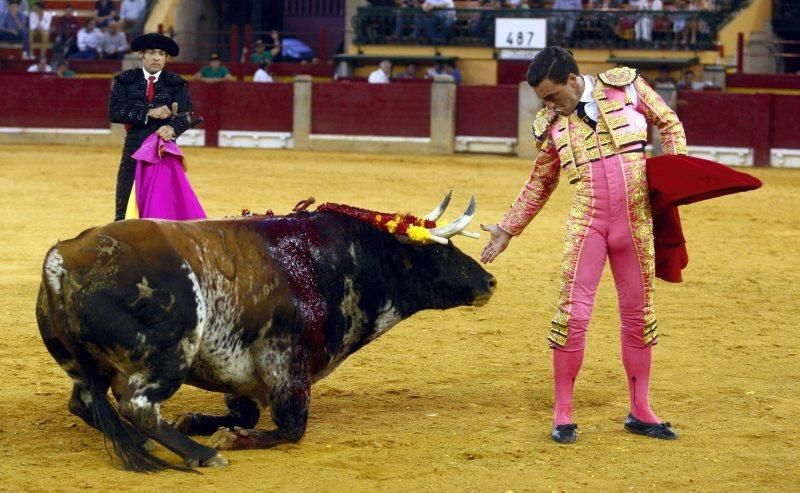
column 262, row 74
column 439, row 20
column 382, row 74
column 644, row 26
column 39, row 28
column 130, row 12
column 115, row 43
column 41, row 66
column 90, row 40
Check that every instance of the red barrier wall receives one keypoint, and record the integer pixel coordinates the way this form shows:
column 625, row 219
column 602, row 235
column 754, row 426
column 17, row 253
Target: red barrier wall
column 256, row 106
column 785, row 129
column 758, row 121
column 207, row 103
column 487, row 111
column 763, row 81
column 356, row 108
column 49, row 102
column 512, row 71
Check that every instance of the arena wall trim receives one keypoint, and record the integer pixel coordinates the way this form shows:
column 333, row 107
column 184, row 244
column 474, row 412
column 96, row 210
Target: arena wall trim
column 436, row 118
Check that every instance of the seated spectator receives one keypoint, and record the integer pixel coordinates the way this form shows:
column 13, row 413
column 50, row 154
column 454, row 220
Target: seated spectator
column 566, row 19
column 262, row 74
column 23, row 6
column 451, row 70
column 382, row 74
column 115, row 43
column 104, row 12
column 664, row 77
column 261, row 53
column 439, row 20
column 39, row 28
column 408, row 16
column 14, row 26
column 515, row 4
column 63, row 70
column 40, row 66
column 90, row 40
column 481, row 25
column 130, row 13
column 214, row 71
column 643, row 29
column 409, row 73
column 66, row 30
column 437, row 69
column 684, row 24
column 689, row 82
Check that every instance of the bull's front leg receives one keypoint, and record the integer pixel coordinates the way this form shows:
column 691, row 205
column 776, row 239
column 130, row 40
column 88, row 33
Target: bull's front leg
column 289, row 404
column 243, row 412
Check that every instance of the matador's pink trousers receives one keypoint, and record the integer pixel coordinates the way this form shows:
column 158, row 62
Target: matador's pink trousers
column 608, row 235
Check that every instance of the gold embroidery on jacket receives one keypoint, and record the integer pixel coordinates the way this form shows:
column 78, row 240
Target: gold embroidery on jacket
column 580, row 218
column 619, row 77
column 673, row 138
column 640, row 221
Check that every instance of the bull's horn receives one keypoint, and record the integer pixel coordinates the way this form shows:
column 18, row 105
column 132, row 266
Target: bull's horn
column 470, row 234
column 454, row 227
column 437, row 213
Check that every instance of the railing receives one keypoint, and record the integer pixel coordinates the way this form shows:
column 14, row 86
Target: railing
column 591, row 28
column 234, row 44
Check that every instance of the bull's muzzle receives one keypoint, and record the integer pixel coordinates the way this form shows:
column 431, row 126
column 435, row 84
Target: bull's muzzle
column 483, row 297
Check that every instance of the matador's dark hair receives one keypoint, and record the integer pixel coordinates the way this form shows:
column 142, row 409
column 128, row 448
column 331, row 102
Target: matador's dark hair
column 554, row 63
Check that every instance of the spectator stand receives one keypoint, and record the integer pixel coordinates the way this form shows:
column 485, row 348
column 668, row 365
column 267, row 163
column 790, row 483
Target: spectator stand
column 82, row 68
column 284, row 71
column 84, row 10
column 346, row 65
column 594, row 27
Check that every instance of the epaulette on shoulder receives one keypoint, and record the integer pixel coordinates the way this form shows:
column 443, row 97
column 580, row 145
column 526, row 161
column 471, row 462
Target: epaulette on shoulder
column 619, row 77
column 129, row 76
column 544, row 118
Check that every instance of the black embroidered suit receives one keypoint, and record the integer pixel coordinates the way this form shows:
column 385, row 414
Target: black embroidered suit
column 128, row 104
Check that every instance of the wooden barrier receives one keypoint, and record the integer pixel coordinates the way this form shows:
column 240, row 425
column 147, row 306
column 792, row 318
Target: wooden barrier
column 393, row 117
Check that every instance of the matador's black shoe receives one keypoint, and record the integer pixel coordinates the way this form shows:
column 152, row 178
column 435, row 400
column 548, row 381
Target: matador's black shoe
column 565, row 433
column 654, row 430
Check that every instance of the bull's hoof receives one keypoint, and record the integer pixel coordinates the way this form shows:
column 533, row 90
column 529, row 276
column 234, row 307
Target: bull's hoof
column 224, row 439
column 216, row 461
column 183, row 423
column 148, row 445
column 235, row 439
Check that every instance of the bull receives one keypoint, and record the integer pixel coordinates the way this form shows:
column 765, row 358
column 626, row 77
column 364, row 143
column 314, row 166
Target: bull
column 258, row 308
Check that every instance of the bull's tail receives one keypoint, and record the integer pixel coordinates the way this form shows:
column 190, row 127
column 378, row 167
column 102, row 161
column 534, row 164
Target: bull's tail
column 127, row 441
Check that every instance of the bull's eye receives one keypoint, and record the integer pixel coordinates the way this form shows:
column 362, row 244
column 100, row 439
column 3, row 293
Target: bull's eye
column 437, row 251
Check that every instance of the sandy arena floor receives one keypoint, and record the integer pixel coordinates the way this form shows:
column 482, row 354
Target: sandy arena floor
column 457, row 400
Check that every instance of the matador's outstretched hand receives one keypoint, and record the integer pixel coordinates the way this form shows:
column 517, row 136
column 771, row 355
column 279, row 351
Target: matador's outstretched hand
column 497, row 243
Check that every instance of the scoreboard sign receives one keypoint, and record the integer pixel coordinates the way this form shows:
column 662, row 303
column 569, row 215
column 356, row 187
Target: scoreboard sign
column 520, row 34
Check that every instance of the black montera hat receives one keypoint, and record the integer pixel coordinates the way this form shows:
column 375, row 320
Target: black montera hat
column 155, row 41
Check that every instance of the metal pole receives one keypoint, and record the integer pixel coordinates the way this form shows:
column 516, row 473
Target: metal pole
column 740, row 53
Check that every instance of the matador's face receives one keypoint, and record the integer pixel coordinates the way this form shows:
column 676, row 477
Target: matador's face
column 154, row 60
column 561, row 98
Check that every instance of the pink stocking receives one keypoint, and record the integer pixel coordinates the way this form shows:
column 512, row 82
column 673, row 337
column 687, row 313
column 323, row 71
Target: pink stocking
column 566, row 365
column 637, row 362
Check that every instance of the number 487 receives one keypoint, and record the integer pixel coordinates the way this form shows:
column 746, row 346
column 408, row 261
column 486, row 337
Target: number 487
column 518, row 38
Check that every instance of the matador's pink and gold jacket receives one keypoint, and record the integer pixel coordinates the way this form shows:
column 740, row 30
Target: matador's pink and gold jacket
column 569, row 143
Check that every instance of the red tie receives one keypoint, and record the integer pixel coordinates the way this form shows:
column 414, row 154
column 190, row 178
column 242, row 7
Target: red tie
column 151, row 88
